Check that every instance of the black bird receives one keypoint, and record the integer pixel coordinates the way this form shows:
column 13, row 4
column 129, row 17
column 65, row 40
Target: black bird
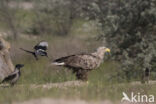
column 39, row 49
column 14, row 76
column 147, row 75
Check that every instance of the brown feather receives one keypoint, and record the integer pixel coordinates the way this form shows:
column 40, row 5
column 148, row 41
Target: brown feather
column 83, row 61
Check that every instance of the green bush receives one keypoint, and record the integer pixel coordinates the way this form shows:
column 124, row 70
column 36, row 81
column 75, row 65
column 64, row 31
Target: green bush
column 129, row 29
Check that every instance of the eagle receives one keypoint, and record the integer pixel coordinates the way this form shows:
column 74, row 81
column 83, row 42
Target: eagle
column 39, row 49
column 82, row 63
column 6, row 65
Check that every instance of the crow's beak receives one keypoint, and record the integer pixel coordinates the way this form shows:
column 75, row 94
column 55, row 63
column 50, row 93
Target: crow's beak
column 22, row 65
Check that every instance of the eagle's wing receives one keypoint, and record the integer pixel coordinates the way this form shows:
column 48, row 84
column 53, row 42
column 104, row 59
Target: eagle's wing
column 43, row 45
column 4, row 67
column 83, row 61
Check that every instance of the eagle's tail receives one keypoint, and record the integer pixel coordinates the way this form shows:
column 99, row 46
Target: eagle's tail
column 58, row 63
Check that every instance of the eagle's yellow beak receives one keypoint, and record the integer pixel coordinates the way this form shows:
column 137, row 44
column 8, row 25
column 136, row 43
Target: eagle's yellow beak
column 107, row 50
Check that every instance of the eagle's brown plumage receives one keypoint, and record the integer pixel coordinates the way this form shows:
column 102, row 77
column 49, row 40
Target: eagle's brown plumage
column 6, row 65
column 82, row 63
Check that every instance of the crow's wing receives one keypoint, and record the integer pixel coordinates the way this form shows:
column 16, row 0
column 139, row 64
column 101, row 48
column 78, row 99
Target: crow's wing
column 10, row 77
column 15, row 72
column 41, row 45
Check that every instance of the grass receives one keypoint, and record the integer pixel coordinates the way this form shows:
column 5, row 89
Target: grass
column 99, row 87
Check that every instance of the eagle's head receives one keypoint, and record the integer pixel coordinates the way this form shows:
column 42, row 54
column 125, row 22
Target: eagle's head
column 103, row 49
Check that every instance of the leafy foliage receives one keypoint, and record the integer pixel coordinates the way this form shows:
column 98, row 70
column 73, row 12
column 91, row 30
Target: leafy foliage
column 54, row 16
column 129, row 28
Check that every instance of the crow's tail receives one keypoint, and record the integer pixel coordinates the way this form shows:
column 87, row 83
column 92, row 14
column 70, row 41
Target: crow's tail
column 27, row 51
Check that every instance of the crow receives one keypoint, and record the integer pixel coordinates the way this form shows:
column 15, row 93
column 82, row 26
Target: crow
column 39, row 50
column 14, row 76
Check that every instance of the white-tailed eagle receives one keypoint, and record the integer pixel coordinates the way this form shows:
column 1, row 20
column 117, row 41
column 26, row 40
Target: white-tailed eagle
column 81, row 64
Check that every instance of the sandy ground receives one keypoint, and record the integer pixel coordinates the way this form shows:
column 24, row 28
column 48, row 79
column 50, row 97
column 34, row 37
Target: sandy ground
column 61, row 101
column 64, row 101
column 62, row 85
